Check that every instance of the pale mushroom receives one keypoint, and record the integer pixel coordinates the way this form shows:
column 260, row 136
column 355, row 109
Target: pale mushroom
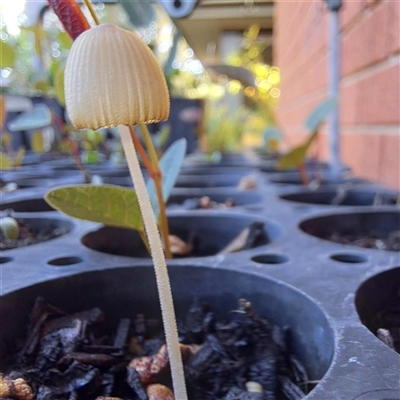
column 113, row 79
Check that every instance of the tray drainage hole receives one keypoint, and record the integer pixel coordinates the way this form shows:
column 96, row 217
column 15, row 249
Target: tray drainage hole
column 272, row 258
column 349, row 258
column 4, row 260
column 64, row 261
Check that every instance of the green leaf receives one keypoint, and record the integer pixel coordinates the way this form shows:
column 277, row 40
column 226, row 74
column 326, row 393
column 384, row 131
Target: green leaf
column 10, row 228
column 241, row 74
column 54, row 67
column 107, row 204
column 320, row 113
column 19, row 157
column 3, row 111
column 37, row 142
column 5, row 139
column 7, row 59
column 296, row 156
column 59, row 86
column 170, row 165
column 292, row 159
column 5, row 162
column 38, row 117
column 141, row 13
column 168, row 68
column 42, row 85
column 64, row 40
column 272, row 132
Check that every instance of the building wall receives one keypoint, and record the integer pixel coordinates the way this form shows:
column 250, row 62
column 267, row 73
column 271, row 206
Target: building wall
column 369, row 83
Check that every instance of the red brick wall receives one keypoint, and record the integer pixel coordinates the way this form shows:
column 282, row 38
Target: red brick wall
column 369, row 84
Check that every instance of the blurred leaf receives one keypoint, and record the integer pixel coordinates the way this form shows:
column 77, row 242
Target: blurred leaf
column 107, row 204
column 252, row 32
column 273, row 145
column 320, row 113
column 241, row 74
column 272, row 132
column 170, row 165
column 3, row 111
column 215, row 157
column 296, row 156
column 168, row 68
column 65, row 146
column 19, row 157
column 140, row 13
column 224, row 129
column 5, row 139
column 39, row 35
column 59, row 86
column 9, row 227
column 38, row 117
column 8, row 56
column 95, row 137
column 37, row 142
column 64, row 40
column 55, row 67
column 90, row 157
column 86, row 145
column 5, row 162
column 42, row 85
column 164, row 135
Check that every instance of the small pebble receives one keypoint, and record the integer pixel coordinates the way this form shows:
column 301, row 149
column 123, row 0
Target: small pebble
column 254, row 387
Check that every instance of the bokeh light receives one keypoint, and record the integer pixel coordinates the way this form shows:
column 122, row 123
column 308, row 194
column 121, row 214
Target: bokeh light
column 10, row 11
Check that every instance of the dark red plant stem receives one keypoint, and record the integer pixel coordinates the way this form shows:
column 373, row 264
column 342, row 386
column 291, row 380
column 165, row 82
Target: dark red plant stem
column 71, row 16
column 303, row 174
column 143, row 155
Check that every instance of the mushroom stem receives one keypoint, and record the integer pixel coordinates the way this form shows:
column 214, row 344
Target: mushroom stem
column 160, row 267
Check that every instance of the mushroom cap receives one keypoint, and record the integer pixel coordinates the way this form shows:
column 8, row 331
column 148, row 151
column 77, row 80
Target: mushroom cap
column 112, row 78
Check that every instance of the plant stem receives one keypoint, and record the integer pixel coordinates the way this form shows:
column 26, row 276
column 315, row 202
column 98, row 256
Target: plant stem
column 155, row 174
column 303, row 174
column 142, row 153
column 143, row 236
column 158, row 185
column 160, row 267
column 89, row 5
column 149, row 145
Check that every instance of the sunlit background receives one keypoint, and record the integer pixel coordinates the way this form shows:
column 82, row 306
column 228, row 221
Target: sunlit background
column 41, row 47
column 10, row 11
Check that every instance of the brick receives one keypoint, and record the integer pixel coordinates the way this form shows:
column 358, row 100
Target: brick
column 296, row 113
column 378, row 97
column 308, row 79
column 370, row 86
column 350, row 152
column 393, row 29
column 349, row 12
column 374, row 157
column 361, row 153
column 302, row 36
column 373, row 39
column 375, row 99
column 389, row 168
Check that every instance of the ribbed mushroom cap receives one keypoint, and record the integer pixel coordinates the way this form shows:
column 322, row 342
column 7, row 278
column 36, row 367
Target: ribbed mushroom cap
column 112, row 78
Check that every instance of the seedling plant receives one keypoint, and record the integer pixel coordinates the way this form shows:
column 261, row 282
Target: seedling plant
column 113, row 79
